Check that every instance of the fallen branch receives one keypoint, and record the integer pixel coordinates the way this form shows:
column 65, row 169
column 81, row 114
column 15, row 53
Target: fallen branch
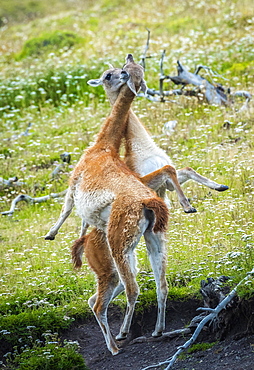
column 28, row 199
column 11, row 182
column 66, row 158
column 165, row 336
column 211, row 92
column 213, row 313
column 25, row 133
column 143, row 57
column 162, row 76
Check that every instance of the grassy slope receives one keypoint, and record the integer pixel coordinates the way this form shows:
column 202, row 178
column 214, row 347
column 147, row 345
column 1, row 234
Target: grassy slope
column 218, row 239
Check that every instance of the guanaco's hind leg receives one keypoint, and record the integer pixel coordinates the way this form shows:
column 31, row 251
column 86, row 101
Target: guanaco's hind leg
column 124, row 231
column 167, row 175
column 188, row 173
column 77, row 251
column 100, row 260
column 156, row 251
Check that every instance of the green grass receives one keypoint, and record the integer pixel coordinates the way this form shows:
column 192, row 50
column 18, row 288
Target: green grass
column 198, row 347
column 49, row 91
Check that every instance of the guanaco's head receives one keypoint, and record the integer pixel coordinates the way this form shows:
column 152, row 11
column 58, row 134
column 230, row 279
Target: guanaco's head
column 113, row 79
column 136, row 72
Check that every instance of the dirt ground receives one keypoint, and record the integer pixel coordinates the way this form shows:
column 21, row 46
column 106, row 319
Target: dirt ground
column 234, row 351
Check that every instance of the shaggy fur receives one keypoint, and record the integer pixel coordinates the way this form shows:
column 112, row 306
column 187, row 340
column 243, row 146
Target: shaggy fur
column 108, row 195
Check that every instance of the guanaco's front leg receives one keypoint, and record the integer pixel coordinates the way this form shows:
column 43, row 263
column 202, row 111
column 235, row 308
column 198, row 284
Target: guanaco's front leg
column 66, row 211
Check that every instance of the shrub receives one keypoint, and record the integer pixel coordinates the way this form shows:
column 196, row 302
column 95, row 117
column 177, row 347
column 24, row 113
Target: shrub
column 57, row 87
column 49, row 357
column 48, row 42
column 26, row 327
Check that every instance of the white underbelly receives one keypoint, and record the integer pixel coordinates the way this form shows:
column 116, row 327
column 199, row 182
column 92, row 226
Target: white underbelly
column 94, row 207
column 150, row 164
column 146, row 159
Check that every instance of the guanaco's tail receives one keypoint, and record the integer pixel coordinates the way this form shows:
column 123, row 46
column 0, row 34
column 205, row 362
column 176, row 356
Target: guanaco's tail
column 77, row 251
column 160, row 215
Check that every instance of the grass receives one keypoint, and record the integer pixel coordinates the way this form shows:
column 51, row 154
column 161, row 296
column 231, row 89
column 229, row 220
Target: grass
column 48, row 92
column 198, row 347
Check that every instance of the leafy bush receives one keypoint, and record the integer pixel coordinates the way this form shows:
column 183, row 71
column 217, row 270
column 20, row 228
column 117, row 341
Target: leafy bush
column 200, row 347
column 48, row 42
column 26, row 327
column 49, row 357
column 56, row 87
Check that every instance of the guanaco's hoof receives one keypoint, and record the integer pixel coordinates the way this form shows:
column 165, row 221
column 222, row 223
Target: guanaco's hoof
column 48, row 237
column 121, row 336
column 191, row 210
column 115, row 351
column 222, row 188
column 156, row 334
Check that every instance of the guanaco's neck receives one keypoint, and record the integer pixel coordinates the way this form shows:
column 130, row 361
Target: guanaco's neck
column 136, row 132
column 114, row 127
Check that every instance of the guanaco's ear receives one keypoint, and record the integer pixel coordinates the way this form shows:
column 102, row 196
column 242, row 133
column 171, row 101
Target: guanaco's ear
column 129, row 58
column 95, row 83
column 131, row 85
column 143, row 86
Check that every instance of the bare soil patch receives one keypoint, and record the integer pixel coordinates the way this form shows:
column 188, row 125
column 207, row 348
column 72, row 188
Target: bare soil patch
column 234, row 349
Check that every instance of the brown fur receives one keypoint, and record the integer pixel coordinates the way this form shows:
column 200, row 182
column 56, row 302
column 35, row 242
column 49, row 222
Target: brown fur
column 161, row 214
column 155, row 205
column 77, row 250
column 103, row 178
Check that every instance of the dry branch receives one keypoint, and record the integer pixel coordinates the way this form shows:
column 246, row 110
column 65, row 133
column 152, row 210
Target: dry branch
column 66, row 158
column 165, row 336
column 211, row 92
column 143, row 57
column 213, row 313
column 28, row 199
column 11, row 182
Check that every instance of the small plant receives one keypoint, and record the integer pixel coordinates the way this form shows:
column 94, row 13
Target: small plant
column 200, row 347
column 51, row 356
column 62, row 87
column 48, row 42
column 25, row 328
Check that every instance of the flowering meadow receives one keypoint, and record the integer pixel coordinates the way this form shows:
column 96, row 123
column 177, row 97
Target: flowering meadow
column 47, row 109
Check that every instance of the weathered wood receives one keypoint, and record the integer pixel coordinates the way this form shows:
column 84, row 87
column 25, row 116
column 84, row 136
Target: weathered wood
column 165, row 336
column 66, row 158
column 144, row 57
column 211, row 92
column 11, row 182
column 211, row 286
column 28, row 199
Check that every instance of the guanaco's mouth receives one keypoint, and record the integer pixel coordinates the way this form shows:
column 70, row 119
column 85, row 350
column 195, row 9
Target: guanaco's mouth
column 124, row 76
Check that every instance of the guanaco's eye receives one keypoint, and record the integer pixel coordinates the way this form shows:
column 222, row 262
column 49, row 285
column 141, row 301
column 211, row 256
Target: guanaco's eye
column 108, row 77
